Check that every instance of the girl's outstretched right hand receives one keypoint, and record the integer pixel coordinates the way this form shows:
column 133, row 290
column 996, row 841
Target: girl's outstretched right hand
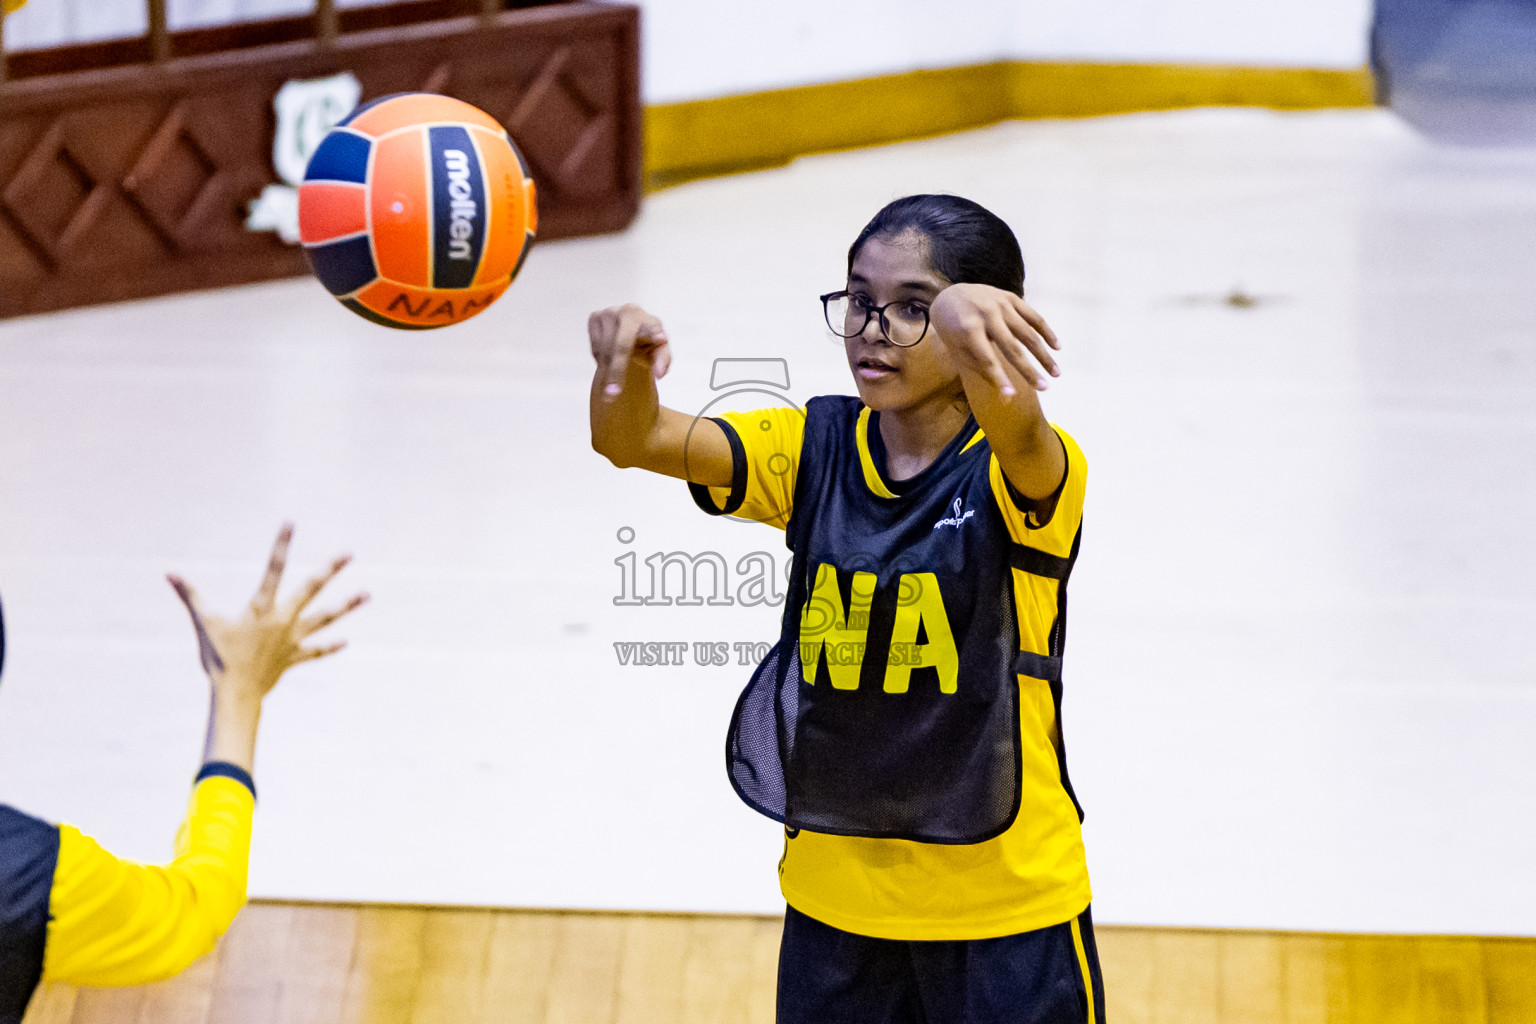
column 622, row 334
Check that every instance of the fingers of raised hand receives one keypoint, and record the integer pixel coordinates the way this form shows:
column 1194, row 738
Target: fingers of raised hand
column 614, row 347
column 314, row 653
column 600, row 329
column 314, row 586
column 981, row 346
column 1035, row 320
column 314, row 623
column 1027, row 349
column 630, row 329
column 187, row 594
column 661, row 358
column 207, row 653
column 611, row 354
column 266, row 594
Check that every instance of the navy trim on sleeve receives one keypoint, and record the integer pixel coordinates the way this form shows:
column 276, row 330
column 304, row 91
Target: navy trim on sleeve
column 228, row 771
column 701, row 496
column 29, row 854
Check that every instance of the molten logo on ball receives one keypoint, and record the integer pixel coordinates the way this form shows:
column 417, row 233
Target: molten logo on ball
column 462, row 206
column 458, row 189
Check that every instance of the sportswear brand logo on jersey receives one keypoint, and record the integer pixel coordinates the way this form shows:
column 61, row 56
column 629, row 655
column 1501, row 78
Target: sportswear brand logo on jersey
column 956, row 519
column 462, row 227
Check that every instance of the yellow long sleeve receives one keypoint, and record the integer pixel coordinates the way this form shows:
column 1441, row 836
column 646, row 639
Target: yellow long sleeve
column 116, row 922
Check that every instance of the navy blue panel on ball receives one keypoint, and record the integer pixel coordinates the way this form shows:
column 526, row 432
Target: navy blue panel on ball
column 343, row 267
column 458, row 207
column 341, row 156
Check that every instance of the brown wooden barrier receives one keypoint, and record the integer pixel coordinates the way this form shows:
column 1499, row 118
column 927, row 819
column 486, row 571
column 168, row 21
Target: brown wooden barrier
column 126, row 181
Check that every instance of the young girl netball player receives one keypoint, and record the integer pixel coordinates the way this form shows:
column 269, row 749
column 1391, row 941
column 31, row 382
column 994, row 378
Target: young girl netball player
column 906, row 727
column 72, row 912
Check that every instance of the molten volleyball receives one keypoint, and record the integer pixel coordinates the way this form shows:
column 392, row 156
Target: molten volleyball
column 417, row 211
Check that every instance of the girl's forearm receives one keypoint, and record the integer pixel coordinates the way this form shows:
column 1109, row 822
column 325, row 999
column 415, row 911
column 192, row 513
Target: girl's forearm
column 232, row 725
column 1020, row 434
column 622, row 424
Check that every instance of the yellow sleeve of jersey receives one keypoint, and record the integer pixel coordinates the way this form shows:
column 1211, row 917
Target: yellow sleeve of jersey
column 767, row 464
column 1052, row 533
column 1056, row 534
column 115, row 922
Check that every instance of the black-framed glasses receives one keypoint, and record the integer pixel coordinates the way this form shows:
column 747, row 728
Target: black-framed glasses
column 904, row 323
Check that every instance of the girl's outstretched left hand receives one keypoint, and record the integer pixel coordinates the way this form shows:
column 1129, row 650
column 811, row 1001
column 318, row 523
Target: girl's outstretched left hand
column 245, row 657
column 990, row 331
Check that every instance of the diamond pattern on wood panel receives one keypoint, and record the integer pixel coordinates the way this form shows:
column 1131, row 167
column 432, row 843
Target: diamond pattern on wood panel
column 555, row 123
column 48, row 194
column 22, row 260
column 438, row 80
column 170, row 174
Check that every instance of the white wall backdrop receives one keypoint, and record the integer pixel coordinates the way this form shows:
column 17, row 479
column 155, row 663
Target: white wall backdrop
column 696, row 49
column 1296, row 33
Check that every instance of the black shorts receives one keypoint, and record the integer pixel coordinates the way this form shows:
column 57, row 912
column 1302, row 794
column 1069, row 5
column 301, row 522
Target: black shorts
column 829, row 976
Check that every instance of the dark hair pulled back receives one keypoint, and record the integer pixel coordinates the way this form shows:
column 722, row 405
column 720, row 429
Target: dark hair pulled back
column 967, row 243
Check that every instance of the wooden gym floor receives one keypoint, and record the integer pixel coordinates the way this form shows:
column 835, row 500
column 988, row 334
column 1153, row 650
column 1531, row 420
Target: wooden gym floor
column 290, row 963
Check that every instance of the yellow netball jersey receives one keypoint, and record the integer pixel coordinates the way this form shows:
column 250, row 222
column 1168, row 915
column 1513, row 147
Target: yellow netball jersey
column 1033, row 874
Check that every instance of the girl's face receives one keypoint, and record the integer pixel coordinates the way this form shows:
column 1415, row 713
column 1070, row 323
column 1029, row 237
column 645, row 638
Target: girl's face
column 891, row 378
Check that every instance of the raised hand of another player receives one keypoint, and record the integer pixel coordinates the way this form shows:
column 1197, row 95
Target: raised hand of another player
column 621, row 336
column 246, row 656
column 995, row 334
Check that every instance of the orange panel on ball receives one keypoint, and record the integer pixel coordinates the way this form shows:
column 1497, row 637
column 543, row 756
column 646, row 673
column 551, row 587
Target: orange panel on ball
column 418, row 108
column 427, row 307
column 400, row 193
column 507, row 229
column 329, row 210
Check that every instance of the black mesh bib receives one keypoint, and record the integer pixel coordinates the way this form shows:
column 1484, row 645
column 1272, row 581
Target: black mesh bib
column 880, row 744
